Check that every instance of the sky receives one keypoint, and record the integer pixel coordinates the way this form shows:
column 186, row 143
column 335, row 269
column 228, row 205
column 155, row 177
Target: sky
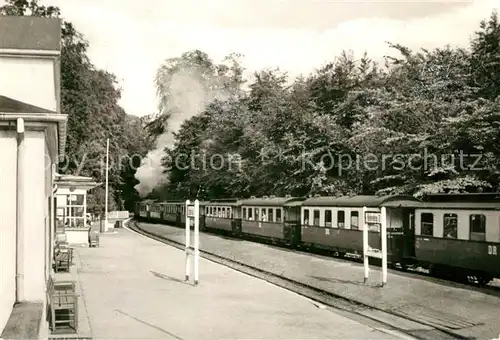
column 133, row 38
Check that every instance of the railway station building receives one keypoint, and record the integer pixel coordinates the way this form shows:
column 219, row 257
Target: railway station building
column 32, row 137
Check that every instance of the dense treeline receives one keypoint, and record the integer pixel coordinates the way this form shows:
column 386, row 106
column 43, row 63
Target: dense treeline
column 90, row 98
column 426, row 121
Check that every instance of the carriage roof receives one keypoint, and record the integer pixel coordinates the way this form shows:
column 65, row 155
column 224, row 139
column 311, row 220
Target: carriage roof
column 272, row 201
column 361, row 201
column 224, row 202
column 458, row 205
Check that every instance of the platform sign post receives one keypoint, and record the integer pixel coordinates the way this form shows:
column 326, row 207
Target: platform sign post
column 375, row 221
column 196, row 240
column 192, row 217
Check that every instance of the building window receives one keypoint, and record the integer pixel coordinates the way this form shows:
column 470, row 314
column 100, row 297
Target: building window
column 354, row 220
column 427, row 224
column 450, row 223
column 316, row 218
column 75, row 211
column 341, row 218
column 328, row 218
column 477, row 228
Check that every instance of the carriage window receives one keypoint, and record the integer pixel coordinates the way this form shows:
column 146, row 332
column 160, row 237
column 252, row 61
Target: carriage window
column 270, row 214
column 206, row 210
column 477, row 227
column 229, row 212
column 278, row 215
column 354, row 220
column 316, row 218
column 250, row 214
column 427, row 224
column 264, row 215
column 257, row 214
column 244, row 213
column 450, row 222
column 224, row 212
column 328, row 218
column 306, row 216
column 341, row 218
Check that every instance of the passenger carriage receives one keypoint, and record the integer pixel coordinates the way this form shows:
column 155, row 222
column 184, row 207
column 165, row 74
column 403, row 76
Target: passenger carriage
column 336, row 223
column 272, row 218
column 144, row 209
column 171, row 212
column 223, row 215
column 155, row 212
column 460, row 235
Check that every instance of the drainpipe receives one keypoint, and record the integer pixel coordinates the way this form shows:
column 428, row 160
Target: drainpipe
column 19, row 213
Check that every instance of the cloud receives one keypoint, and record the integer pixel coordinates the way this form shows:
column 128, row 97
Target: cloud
column 297, row 36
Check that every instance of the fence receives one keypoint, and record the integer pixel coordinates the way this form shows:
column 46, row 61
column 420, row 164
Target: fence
column 118, row 215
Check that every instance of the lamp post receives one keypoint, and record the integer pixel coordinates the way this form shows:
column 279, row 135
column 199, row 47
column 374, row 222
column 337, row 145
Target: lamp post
column 106, row 198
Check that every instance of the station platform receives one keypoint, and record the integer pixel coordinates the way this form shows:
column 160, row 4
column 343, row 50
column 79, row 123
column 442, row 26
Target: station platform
column 466, row 311
column 132, row 288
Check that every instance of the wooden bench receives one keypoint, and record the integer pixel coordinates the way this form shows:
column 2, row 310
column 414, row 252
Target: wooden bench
column 63, row 258
column 62, row 303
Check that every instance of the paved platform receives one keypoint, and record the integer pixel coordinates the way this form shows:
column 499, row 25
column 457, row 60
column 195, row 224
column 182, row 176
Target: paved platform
column 465, row 310
column 132, row 288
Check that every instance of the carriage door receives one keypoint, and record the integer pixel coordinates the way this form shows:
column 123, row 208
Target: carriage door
column 409, row 232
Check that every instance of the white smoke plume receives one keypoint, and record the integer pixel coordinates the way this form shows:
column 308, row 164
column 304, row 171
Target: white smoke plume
column 189, row 91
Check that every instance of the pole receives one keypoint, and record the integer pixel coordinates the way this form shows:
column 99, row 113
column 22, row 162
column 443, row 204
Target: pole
column 383, row 231
column 188, row 241
column 106, row 199
column 196, row 240
column 365, row 245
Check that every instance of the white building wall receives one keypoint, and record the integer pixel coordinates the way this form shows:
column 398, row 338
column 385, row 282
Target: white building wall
column 34, row 212
column 17, row 73
column 8, row 156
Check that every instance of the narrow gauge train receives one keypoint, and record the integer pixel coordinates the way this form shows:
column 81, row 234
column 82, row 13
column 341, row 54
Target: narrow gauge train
column 456, row 235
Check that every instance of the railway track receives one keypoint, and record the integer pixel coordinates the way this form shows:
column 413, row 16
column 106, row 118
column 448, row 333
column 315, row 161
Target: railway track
column 493, row 287
column 376, row 317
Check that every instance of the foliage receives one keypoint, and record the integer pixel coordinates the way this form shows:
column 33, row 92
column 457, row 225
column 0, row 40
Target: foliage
column 426, row 121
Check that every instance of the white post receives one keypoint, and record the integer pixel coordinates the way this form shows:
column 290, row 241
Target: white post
column 85, row 210
column 106, row 199
column 188, row 241
column 365, row 244
column 196, row 240
column 383, row 232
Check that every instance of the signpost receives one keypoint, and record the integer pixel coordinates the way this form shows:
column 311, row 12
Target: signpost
column 192, row 215
column 375, row 221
